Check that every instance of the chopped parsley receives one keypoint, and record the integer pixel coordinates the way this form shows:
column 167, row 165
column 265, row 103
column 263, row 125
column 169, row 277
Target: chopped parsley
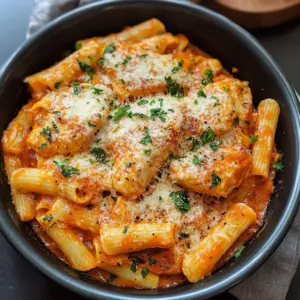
column 173, row 87
column 134, row 264
column 152, row 261
column 209, row 78
column 144, row 272
column 55, row 127
column 161, row 101
column 146, row 139
column 184, row 235
column 159, row 113
column 57, row 84
column 247, row 122
column 181, row 201
column 126, row 61
column 65, row 169
column 215, row 145
column 110, row 48
column 123, row 81
column 111, row 278
column 143, row 116
column 77, row 46
column 47, row 133
column 99, row 154
column 217, row 103
column 122, row 111
column 86, row 67
column 179, row 66
column 128, row 164
column 147, row 151
column 142, row 102
column 201, row 93
column 240, row 252
column 90, row 124
column 143, row 55
column 96, row 91
column 207, row 136
column 125, row 229
column 100, row 62
column 57, row 112
column 42, row 146
column 75, row 85
column 279, row 164
column 196, row 101
column 225, row 89
column 195, row 144
column 215, row 179
column 196, row 160
column 47, row 218
column 253, row 139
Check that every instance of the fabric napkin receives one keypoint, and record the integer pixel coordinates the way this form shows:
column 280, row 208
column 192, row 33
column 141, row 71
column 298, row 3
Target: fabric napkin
column 272, row 280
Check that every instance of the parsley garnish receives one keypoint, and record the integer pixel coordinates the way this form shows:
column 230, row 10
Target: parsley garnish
column 66, row 170
column 142, row 102
column 152, row 261
column 225, row 89
column 239, row 252
column 179, row 66
column 122, row 111
column 110, row 48
column 144, row 272
column 143, row 116
column 247, row 122
column 173, row 87
column 278, row 165
column 209, row 78
column 125, row 229
column 201, row 94
column 207, row 136
column 75, row 85
column 143, row 55
column 99, row 154
column 128, row 164
column 147, row 151
column 100, row 62
column 215, row 179
column 181, row 201
column 57, row 112
column 90, row 124
column 134, row 264
column 161, row 101
column 125, row 62
column 111, row 278
column 57, row 84
column 215, row 145
column 77, row 46
column 195, row 144
column 55, row 127
column 159, row 113
column 96, row 91
column 47, row 133
column 146, row 139
column 47, row 218
column 42, row 146
column 86, row 67
column 216, row 103
column 184, row 235
column 196, row 160
column 253, row 139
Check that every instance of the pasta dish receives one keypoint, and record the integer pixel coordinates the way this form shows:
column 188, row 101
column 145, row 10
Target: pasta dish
column 140, row 160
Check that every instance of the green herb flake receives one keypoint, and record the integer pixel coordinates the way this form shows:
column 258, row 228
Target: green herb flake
column 195, row 144
column 86, row 68
column 77, row 46
column 209, row 78
column 201, row 93
column 140, row 115
column 217, row 103
column 57, row 84
column 65, row 169
column 247, row 122
column 99, row 154
column 143, row 55
column 90, row 124
column 179, row 66
column 146, row 139
column 196, row 101
column 143, row 102
column 123, row 81
column 214, row 146
column 183, row 235
column 196, row 160
column 96, row 91
column 134, row 264
column 207, row 136
column 42, row 146
column 279, row 164
column 147, row 151
column 225, row 89
column 126, row 61
column 75, row 85
column 240, row 252
column 157, row 112
column 47, row 218
column 111, row 278
column 122, row 111
column 161, row 101
column 173, row 88
column 152, row 261
column 55, row 127
column 110, row 48
column 144, row 272
column 125, row 229
column 181, row 201
column 128, row 164
column 100, row 62
column 57, row 112
column 47, row 133
column 253, row 138
column 215, row 179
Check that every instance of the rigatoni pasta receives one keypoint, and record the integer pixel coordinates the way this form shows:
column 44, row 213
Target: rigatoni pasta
column 141, row 160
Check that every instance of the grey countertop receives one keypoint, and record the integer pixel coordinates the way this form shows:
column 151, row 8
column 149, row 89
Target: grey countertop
column 18, row 279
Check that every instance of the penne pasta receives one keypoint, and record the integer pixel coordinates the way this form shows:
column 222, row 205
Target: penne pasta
column 77, row 253
column 201, row 260
column 134, row 237
column 268, row 113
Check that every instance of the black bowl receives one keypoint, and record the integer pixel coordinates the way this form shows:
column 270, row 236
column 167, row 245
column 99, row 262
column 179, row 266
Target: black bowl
column 219, row 37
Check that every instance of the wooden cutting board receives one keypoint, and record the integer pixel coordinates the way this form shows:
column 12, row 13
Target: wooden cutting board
column 256, row 13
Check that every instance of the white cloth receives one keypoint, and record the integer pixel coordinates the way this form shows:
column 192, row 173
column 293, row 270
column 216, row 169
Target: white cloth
column 272, row 280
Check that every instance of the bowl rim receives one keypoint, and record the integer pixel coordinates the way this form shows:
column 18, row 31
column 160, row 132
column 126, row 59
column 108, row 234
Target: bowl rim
column 20, row 243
